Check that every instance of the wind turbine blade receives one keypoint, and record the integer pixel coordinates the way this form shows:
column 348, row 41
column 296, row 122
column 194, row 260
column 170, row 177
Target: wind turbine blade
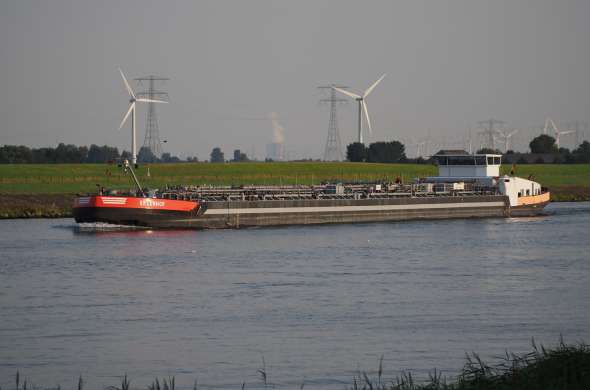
column 566, row 132
column 546, row 126
column 553, row 125
column 372, row 87
column 151, row 100
column 348, row 93
column 127, row 84
column 514, row 132
column 131, row 107
column 367, row 116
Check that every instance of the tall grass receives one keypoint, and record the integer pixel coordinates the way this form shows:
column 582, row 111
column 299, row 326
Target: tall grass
column 566, row 367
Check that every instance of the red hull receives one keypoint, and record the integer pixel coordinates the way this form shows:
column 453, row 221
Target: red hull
column 125, row 202
column 123, row 210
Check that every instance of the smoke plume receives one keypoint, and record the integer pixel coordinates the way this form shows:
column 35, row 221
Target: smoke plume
column 278, row 131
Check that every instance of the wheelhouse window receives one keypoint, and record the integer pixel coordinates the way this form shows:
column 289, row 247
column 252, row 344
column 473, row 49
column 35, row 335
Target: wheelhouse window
column 461, row 160
column 468, row 160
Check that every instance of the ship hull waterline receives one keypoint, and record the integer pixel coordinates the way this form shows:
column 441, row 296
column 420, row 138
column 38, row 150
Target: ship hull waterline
column 241, row 214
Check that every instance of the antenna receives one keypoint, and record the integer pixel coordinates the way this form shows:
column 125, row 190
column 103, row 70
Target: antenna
column 333, row 149
column 152, row 136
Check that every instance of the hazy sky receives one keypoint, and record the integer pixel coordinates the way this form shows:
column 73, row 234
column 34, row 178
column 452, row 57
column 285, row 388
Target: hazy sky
column 449, row 65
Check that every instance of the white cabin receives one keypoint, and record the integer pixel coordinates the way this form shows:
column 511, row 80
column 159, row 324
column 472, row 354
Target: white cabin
column 469, row 165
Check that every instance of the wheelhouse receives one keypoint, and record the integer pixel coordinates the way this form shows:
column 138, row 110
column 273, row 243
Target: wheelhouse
column 468, row 165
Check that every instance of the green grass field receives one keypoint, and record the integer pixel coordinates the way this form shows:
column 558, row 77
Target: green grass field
column 74, row 178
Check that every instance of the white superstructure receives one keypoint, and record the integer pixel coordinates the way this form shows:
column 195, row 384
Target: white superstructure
column 483, row 169
column 469, row 165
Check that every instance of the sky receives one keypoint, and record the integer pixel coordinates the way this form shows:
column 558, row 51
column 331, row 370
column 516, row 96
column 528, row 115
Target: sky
column 231, row 64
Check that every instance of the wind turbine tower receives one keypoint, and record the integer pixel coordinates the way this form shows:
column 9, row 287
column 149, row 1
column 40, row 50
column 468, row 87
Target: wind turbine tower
column 152, row 132
column 333, row 149
column 362, row 106
column 133, row 99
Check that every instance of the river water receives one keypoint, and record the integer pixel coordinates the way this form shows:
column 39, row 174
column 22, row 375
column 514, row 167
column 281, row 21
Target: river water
column 318, row 303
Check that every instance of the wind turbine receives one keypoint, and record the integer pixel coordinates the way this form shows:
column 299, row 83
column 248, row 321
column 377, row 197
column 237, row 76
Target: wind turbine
column 362, row 106
column 132, row 104
column 507, row 137
column 558, row 133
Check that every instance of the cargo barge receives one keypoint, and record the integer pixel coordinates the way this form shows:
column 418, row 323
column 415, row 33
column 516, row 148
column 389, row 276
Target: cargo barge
column 468, row 186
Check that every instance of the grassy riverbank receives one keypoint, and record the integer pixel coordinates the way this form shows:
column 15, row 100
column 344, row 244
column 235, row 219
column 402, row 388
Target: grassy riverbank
column 36, row 205
column 47, row 190
column 566, row 367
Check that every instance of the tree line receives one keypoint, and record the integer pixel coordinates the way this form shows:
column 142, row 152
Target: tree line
column 13, row 154
column 546, row 145
column 377, row 152
column 72, row 154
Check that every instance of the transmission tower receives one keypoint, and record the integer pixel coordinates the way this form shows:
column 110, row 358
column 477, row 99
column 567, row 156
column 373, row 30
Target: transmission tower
column 152, row 133
column 490, row 132
column 333, row 149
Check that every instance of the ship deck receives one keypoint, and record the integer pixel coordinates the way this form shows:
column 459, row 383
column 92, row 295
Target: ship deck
column 324, row 191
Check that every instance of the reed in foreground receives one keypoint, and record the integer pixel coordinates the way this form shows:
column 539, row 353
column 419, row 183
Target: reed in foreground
column 566, row 367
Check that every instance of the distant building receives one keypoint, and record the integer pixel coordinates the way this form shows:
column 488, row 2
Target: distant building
column 275, row 151
column 239, row 156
